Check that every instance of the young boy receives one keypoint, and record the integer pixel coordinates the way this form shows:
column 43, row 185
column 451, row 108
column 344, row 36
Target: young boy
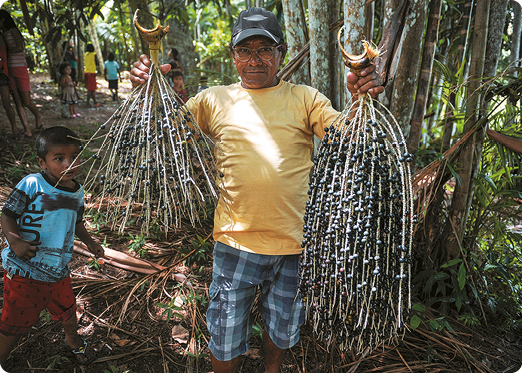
column 39, row 219
column 91, row 61
column 179, row 85
column 112, row 74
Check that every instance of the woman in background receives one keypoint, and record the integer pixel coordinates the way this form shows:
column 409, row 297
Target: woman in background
column 5, row 94
column 18, row 74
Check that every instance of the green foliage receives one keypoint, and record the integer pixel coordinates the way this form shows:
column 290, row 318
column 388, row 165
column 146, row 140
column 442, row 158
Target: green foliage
column 15, row 173
column 137, row 246
column 257, row 331
column 436, row 324
column 194, row 298
column 113, row 369
column 199, row 251
column 94, row 263
column 55, row 363
column 45, row 317
column 96, row 218
column 170, row 309
column 447, row 287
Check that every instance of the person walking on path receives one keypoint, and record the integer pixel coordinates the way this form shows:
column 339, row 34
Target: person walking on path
column 112, row 75
column 18, row 74
column 264, row 129
column 90, row 75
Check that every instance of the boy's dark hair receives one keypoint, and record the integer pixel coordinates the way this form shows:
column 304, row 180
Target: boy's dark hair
column 174, row 53
column 176, row 73
column 63, row 65
column 55, row 136
column 110, row 56
column 90, row 48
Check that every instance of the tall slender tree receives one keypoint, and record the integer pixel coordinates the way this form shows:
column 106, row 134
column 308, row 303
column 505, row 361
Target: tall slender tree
column 296, row 37
column 462, row 196
column 419, row 108
column 407, row 73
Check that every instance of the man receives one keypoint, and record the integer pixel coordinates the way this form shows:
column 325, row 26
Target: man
column 263, row 128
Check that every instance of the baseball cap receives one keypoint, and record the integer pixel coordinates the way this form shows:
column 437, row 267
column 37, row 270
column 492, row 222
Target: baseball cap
column 256, row 21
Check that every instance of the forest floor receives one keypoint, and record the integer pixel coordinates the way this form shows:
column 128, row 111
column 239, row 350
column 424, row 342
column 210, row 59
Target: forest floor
column 151, row 323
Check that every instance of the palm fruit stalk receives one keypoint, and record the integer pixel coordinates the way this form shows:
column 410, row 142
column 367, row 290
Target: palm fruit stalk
column 154, row 159
column 355, row 270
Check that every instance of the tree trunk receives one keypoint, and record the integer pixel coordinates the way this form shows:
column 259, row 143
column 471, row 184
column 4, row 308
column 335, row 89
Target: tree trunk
column 354, row 27
column 461, row 202
column 44, row 25
column 296, row 37
column 96, row 43
column 391, row 44
column 337, row 77
column 515, row 39
column 319, row 49
column 462, row 42
column 145, row 20
column 128, row 56
column 407, row 73
column 138, row 48
column 181, row 38
column 497, row 21
column 419, row 108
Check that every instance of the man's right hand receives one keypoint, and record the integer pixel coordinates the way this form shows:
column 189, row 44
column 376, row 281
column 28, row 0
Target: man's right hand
column 25, row 250
column 140, row 72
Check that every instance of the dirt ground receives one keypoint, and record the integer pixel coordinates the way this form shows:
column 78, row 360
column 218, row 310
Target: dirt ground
column 118, row 310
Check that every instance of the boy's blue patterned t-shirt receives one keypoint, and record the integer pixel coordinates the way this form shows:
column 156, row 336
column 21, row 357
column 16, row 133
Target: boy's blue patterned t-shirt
column 48, row 214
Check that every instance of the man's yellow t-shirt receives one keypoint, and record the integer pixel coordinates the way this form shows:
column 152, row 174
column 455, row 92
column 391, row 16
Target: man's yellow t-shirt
column 263, row 152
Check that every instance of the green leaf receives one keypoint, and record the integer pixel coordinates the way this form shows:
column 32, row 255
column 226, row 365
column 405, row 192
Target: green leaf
column 462, row 276
column 434, row 324
column 415, row 322
column 441, row 276
column 451, row 263
column 419, row 307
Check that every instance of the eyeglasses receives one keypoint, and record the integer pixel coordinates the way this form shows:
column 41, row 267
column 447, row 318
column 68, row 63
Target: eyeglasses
column 244, row 54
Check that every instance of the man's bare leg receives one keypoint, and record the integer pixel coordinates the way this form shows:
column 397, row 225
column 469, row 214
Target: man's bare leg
column 229, row 366
column 273, row 355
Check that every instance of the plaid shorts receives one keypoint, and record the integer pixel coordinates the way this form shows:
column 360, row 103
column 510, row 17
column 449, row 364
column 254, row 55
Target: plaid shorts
column 25, row 298
column 236, row 277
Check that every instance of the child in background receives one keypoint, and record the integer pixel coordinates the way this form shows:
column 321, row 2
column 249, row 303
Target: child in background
column 90, row 74
column 19, row 80
column 179, row 85
column 5, row 94
column 69, row 96
column 39, row 219
column 71, row 58
column 173, row 59
column 112, row 74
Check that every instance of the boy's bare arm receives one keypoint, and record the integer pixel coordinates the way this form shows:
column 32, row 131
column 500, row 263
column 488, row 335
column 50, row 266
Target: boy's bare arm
column 93, row 246
column 23, row 249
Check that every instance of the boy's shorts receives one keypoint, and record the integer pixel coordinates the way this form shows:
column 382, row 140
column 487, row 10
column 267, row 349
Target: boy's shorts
column 19, row 79
column 25, row 298
column 90, row 81
column 236, row 277
column 113, row 84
